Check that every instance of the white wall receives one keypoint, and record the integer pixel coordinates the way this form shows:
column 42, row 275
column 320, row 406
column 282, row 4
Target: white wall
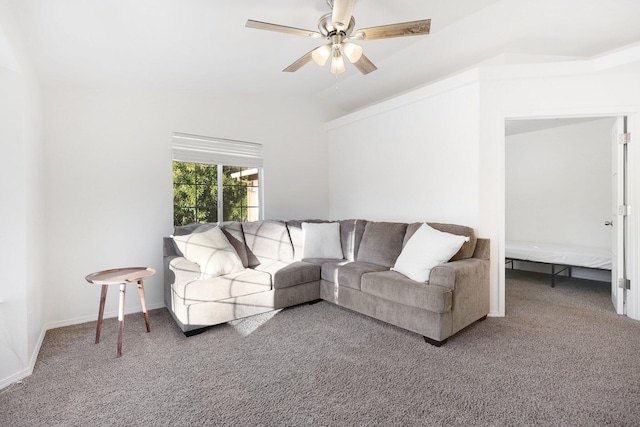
column 438, row 153
column 21, row 208
column 558, row 185
column 109, row 179
column 415, row 161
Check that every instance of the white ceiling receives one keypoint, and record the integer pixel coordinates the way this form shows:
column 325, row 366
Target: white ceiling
column 203, row 44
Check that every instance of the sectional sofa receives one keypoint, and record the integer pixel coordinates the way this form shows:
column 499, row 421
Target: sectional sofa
column 215, row 273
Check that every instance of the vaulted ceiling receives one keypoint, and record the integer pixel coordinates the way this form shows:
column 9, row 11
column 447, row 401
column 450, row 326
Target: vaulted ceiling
column 203, row 45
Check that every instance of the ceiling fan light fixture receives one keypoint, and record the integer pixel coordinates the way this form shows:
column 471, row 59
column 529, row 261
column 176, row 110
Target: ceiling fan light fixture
column 337, row 62
column 321, row 54
column 352, row 51
column 338, row 27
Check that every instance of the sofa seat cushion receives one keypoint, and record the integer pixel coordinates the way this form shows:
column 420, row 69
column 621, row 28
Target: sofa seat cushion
column 245, row 282
column 393, row 286
column 329, row 270
column 296, row 273
column 321, row 261
column 272, row 266
column 286, row 274
column 348, row 274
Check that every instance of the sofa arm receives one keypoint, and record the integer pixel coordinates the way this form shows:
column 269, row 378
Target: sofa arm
column 468, row 280
column 483, row 249
column 177, row 270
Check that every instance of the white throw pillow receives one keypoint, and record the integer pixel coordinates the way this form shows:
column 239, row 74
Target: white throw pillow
column 211, row 250
column 321, row 240
column 426, row 249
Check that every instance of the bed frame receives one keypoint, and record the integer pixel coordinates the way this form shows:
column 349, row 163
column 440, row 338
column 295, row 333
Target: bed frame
column 561, row 268
column 554, row 255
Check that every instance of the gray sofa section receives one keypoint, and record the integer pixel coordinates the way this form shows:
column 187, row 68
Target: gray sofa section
column 276, row 276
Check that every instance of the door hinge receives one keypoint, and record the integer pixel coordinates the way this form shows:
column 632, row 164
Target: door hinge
column 624, row 284
column 624, row 210
column 624, row 138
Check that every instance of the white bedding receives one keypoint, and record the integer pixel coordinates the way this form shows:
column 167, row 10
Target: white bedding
column 559, row 254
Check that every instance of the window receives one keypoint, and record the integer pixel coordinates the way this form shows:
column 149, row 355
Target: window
column 241, row 193
column 215, row 180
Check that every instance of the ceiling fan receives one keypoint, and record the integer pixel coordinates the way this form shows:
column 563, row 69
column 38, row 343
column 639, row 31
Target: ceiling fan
column 338, row 27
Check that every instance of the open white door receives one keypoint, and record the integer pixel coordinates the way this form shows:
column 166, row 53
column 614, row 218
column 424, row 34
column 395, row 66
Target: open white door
column 619, row 212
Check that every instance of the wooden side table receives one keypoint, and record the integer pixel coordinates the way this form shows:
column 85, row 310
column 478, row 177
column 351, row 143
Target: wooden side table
column 120, row 276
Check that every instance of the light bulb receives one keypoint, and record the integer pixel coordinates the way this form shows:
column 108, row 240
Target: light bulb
column 352, row 51
column 337, row 63
column 321, row 54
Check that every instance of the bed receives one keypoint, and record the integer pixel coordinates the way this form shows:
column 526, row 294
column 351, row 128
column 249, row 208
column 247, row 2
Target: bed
column 561, row 257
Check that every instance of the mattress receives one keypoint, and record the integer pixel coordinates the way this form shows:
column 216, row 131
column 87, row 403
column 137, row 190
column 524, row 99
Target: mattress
column 552, row 253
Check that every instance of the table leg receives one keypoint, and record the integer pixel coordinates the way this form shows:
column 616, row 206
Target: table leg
column 144, row 305
column 123, row 288
column 103, row 298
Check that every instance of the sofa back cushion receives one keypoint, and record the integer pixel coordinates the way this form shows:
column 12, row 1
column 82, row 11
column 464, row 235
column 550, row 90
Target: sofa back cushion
column 183, row 230
column 267, row 241
column 382, row 243
column 467, row 249
column 351, row 232
column 235, row 235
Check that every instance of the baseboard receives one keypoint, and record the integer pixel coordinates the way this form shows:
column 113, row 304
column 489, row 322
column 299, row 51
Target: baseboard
column 6, row 382
column 94, row 317
column 36, row 350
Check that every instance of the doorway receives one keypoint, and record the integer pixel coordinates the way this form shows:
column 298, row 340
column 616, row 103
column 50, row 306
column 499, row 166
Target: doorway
column 559, row 195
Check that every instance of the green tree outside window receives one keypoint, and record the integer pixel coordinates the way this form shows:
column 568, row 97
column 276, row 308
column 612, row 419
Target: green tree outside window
column 195, row 193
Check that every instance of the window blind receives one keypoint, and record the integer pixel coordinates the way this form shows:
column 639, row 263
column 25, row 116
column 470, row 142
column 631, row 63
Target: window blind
column 216, row 151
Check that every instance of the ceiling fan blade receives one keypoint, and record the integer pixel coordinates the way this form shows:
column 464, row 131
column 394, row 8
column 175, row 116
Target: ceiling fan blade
column 364, row 65
column 304, row 60
column 413, row 28
column 281, row 29
column 342, row 11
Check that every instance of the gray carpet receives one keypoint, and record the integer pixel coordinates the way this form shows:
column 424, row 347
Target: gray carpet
column 560, row 357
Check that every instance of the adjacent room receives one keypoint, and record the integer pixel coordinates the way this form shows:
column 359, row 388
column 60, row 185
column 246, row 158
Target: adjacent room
column 559, row 196
column 300, row 213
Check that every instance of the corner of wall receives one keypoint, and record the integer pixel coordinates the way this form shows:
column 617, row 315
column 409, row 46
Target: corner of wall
column 20, row 375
